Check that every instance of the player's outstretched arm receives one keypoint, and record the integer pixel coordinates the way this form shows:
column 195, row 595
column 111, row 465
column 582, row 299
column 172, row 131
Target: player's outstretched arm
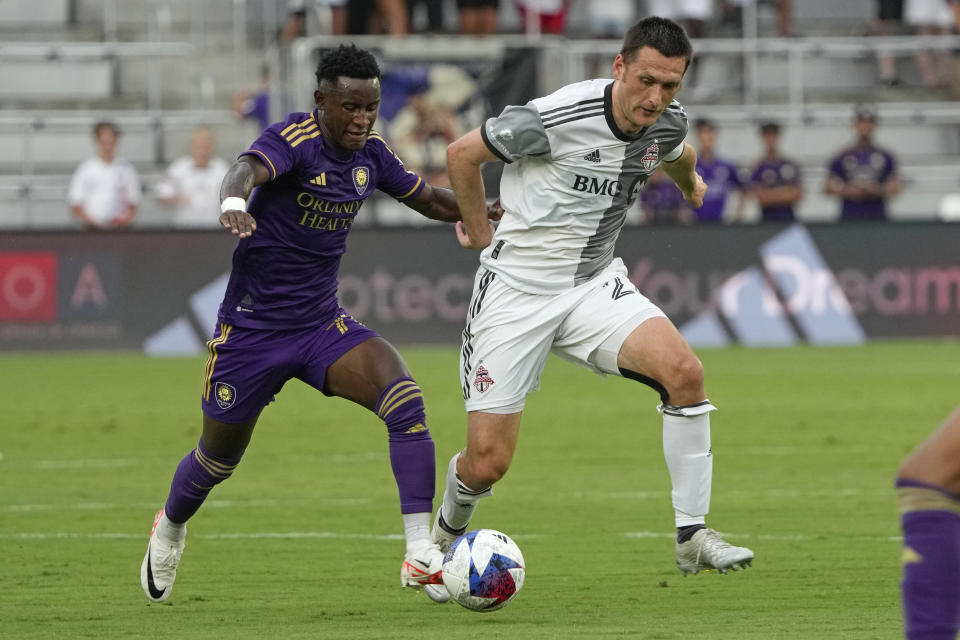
column 683, row 171
column 245, row 174
column 465, row 156
column 435, row 203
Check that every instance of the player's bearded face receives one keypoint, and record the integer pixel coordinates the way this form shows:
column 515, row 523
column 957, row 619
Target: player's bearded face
column 645, row 86
column 348, row 110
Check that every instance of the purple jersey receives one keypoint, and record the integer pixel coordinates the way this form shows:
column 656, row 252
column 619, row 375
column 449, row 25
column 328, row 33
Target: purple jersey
column 662, row 201
column 285, row 275
column 721, row 177
column 864, row 166
column 771, row 173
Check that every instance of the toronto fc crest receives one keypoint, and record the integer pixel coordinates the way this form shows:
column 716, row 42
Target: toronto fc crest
column 483, row 381
column 651, row 157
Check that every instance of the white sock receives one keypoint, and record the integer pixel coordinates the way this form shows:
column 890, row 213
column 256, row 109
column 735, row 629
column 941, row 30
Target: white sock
column 416, row 528
column 171, row 531
column 686, row 448
column 459, row 501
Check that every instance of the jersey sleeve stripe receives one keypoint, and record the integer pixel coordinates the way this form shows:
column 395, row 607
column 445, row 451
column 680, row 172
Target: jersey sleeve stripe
column 490, row 145
column 300, row 131
column 408, row 193
column 598, row 111
column 305, row 136
column 576, row 105
column 273, row 169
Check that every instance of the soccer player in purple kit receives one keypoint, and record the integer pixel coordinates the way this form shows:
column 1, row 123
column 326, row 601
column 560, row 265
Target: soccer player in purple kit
column 721, row 176
column 863, row 176
column 775, row 181
column 928, row 490
column 280, row 317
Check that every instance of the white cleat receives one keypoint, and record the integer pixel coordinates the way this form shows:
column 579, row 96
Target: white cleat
column 442, row 535
column 423, row 569
column 159, row 568
column 707, row 551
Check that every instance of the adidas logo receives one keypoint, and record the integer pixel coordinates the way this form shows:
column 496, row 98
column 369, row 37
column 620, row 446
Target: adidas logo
column 593, row 156
column 320, row 180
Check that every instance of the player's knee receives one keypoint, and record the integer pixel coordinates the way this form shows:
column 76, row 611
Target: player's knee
column 684, row 381
column 918, row 467
column 400, row 406
column 483, row 469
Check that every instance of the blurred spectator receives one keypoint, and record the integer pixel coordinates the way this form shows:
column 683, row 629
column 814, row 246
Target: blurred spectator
column 606, row 19
column 732, row 15
column 478, row 17
column 721, row 175
column 105, row 190
column 378, row 17
column 422, row 129
column 309, row 17
column 434, row 11
column 255, row 105
column 775, row 181
column 931, row 18
column 863, row 176
column 889, row 22
column 662, row 202
column 543, row 16
column 338, row 17
column 694, row 15
column 191, row 185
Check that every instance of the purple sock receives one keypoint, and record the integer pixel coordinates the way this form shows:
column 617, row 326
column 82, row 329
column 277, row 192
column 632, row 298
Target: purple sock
column 196, row 475
column 930, row 518
column 412, row 453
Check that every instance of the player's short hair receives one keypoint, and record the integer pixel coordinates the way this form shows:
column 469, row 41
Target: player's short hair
column 769, row 126
column 704, row 123
column 666, row 36
column 100, row 126
column 347, row 61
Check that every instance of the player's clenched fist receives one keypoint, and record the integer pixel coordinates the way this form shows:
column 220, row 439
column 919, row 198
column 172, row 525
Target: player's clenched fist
column 240, row 223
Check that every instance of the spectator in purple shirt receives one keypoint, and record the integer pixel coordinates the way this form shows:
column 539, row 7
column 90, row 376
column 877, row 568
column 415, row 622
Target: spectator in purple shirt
column 280, row 317
column 721, row 175
column 775, row 181
column 863, row 176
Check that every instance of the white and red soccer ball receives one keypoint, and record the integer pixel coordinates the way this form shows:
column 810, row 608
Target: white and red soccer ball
column 483, row 570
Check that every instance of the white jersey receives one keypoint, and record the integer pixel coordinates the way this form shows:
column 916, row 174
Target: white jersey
column 104, row 189
column 570, row 177
column 197, row 187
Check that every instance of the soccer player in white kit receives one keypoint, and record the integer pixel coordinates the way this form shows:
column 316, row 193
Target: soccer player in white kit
column 548, row 280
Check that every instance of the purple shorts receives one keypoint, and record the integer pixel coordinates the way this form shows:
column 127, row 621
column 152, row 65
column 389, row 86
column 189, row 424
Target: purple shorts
column 246, row 367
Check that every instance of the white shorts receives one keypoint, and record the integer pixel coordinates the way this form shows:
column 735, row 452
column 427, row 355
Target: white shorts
column 927, row 13
column 509, row 334
column 681, row 9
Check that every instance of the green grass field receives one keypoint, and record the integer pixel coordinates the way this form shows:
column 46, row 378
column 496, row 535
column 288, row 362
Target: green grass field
column 304, row 540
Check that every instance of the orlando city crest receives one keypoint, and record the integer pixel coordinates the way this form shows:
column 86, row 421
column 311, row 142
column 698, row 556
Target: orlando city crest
column 483, row 381
column 226, row 395
column 361, row 178
column 651, row 157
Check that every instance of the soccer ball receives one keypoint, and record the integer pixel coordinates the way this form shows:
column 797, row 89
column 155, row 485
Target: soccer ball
column 483, row 570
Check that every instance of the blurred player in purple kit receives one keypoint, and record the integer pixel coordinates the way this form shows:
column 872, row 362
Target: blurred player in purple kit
column 863, row 176
column 775, row 181
column 280, row 318
column 721, row 175
column 928, row 490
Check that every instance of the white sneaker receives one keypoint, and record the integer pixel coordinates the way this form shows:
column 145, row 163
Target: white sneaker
column 442, row 535
column 706, row 550
column 423, row 569
column 159, row 568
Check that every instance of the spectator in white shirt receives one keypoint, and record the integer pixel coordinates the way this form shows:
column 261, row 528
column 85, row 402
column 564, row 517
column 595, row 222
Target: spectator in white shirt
column 105, row 190
column 191, row 185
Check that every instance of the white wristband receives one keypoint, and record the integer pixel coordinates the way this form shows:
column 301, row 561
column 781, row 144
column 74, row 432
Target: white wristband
column 233, row 203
